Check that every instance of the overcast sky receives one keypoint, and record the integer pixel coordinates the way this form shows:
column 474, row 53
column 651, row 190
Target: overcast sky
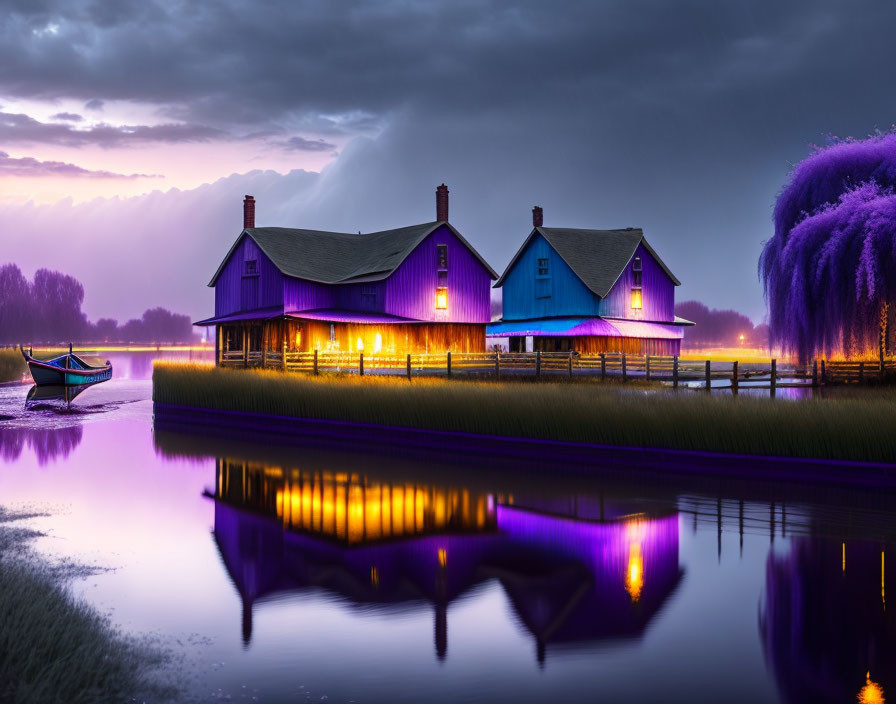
column 680, row 117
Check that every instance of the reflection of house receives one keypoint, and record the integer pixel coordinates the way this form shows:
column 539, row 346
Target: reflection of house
column 589, row 291
column 570, row 579
column 421, row 288
column 826, row 630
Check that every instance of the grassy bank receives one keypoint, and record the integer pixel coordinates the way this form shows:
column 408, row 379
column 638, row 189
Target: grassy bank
column 54, row 647
column 12, row 365
column 857, row 427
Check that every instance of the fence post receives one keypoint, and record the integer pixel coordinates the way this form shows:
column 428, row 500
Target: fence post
column 734, row 377
column 538, row 364
column 603, row 366
column 708, row 376
column 773, row 378
column 861, row 372
column 283, row 358
column 675, row 372
column 814, row 373
column 448, row 365
column 409, row 366
column 647, row 366
column 316, row 369
column 624, row 370
column 570, row 364
column 824, row 376
column 360, row 364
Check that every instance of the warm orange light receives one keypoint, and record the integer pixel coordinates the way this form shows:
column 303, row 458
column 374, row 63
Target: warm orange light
column 360, row 345
column 374, row 577
column 636, row 298
column 441, row 298
column 634, row 576
column 741, row 338
column 298, row 339
column 443, row 557
column 872, row 692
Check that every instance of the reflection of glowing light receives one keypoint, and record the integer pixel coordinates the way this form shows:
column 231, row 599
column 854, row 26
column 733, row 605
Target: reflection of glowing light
column 374, row 577
column 844, row 557
column 883, row 596
column 872, row 692
column 377, row 343
column 443, row 557
column 634, row 575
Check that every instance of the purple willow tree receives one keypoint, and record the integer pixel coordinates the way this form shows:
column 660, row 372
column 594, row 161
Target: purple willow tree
column 829, row 271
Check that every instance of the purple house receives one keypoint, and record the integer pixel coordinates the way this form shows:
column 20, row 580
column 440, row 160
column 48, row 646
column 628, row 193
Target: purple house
column 588, row 291
column 416, row 289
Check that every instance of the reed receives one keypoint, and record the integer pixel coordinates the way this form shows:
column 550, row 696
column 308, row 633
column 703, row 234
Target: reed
column 12, row 365
column 852, row 426
column 56, row 648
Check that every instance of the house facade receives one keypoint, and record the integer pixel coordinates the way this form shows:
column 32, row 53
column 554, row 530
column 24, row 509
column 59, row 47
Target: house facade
column 416, row 289
column 588, row 291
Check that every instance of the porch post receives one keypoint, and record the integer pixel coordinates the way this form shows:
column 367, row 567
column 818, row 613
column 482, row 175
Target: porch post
column 218, row 345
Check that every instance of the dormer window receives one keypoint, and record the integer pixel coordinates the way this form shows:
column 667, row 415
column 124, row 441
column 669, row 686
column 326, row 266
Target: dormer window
column 442, row 257
column 251, row 267
column 543, row 269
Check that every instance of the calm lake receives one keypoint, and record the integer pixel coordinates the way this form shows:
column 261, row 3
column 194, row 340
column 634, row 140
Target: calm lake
column 322, row 573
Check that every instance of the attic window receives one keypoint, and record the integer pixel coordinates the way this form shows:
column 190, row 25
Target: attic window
column 251, row 267
column 442, row 256
column 543, row 267
column 368, row 294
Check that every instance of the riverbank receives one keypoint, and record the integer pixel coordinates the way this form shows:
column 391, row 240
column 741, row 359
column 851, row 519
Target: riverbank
column 12, row 365
column 54, row 647
column 847, row 428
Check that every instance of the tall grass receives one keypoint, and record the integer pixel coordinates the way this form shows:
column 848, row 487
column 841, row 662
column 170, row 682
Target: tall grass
column 855, row 427
column 12, row 365
column 56, row 648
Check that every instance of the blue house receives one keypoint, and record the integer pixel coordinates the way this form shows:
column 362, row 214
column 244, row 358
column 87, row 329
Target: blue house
column 588, row 291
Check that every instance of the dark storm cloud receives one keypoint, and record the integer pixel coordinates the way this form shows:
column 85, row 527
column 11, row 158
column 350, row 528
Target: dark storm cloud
column 682, row 116
column 20, row 128
column 95, row 105
column 300, row 144
column 28, row 166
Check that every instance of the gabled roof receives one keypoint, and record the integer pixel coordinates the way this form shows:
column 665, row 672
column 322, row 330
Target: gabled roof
column 341, row 257
column 597, row 257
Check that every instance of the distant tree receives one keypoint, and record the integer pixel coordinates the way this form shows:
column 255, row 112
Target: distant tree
column 15, row 306
column 57, row 300
column 829, row 270
column 106, row 330
column 714, row 328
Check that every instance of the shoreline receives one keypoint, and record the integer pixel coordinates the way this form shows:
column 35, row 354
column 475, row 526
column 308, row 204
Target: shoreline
column 573, row 457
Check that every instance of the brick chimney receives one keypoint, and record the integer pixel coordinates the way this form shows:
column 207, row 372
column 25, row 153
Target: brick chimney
column 537, row 216
column 442, row 203
column 248, row 212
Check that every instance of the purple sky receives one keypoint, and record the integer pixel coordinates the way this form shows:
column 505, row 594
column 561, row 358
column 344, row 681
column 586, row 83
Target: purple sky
column 133, row 129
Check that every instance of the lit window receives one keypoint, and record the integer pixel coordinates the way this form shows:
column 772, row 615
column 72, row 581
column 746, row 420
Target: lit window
column 377, row 343
column 636, row 298
column 442, row 256
column 360, row 345
column 543, row 267
column 442, row 298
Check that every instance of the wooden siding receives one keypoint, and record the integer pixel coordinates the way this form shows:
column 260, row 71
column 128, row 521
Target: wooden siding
column 307, row 295
column 568, row 295
column 658, row 293
column 410, row 292
column 229, row 288
column 595, row 344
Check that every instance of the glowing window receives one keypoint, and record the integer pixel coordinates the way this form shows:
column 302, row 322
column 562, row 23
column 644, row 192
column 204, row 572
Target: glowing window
column 636, row 298
column 377, row 343
column 442, row 298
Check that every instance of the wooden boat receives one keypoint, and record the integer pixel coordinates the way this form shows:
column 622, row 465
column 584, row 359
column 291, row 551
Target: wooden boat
column 66, row 394
column 66, row 370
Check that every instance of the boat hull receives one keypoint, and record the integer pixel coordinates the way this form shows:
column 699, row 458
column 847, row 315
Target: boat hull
column 54, row 373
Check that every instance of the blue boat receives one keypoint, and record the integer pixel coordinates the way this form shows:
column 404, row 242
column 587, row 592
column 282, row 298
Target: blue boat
column 66, row 370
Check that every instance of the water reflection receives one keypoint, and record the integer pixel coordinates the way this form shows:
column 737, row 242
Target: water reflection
column 48, row 444
column 826, row 630
column 575, row 572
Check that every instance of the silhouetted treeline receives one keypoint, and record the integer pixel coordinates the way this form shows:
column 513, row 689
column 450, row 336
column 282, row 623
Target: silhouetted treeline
column 48, row 310
column 719, row 328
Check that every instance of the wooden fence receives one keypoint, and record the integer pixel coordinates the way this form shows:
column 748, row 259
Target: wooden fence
column 704, row 374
